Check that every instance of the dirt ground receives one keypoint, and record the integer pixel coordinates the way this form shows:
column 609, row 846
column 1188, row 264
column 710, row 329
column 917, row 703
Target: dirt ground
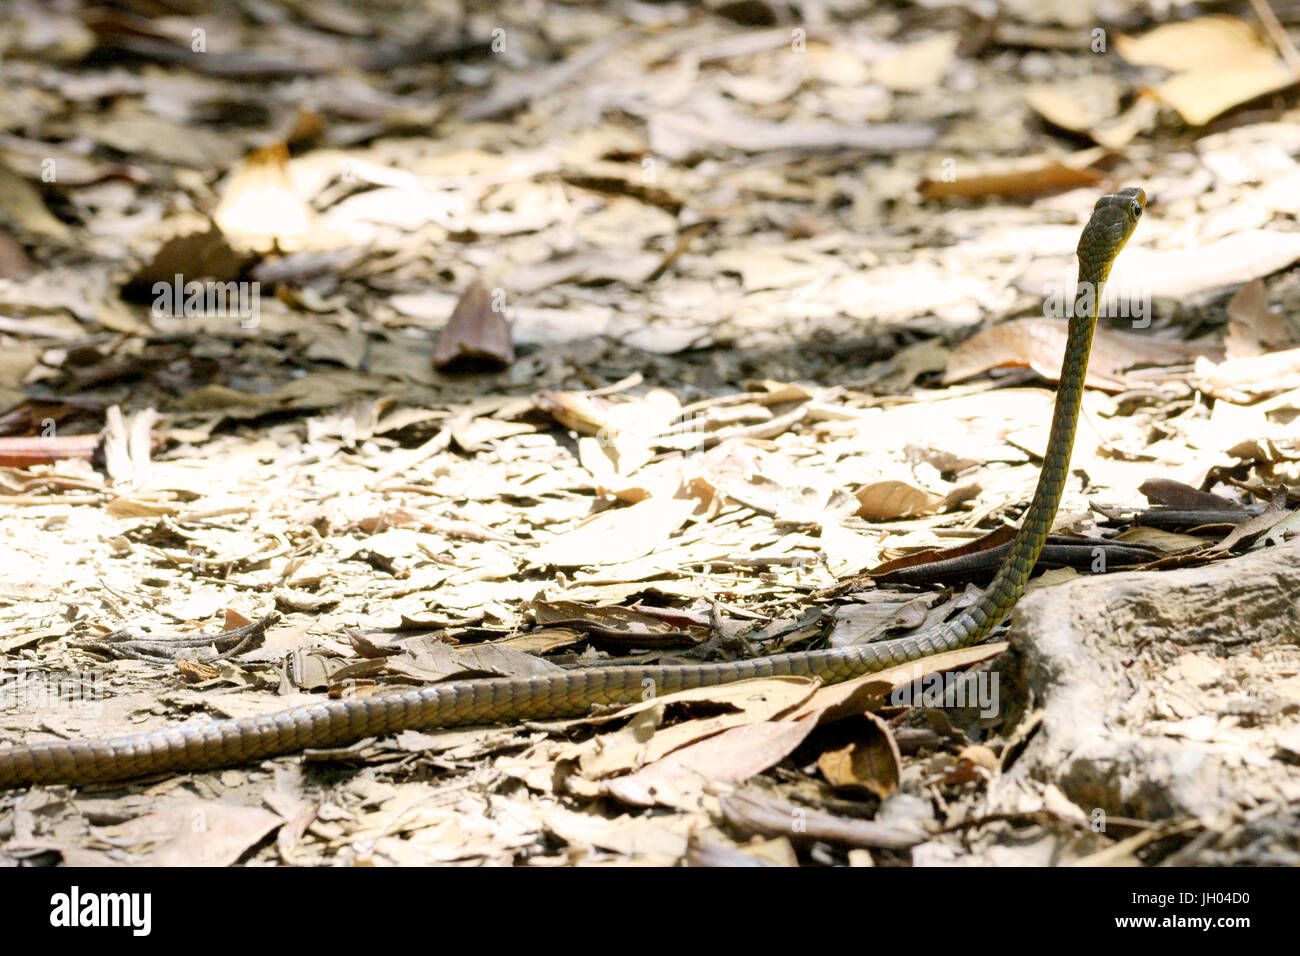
column 496, row 339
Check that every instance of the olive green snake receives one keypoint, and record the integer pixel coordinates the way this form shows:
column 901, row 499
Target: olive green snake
column 221, row 743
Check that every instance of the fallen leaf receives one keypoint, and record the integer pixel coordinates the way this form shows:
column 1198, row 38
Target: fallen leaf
column 620, row 534
column 887, row 500
column 259, row 208
column 1219, row 62
column 678, row 135
column 1254, row 328
column 869, row 761
column 917, row 66
column 1035, row 176
column 23, row 207
column 1040, row 344
column 727, row 759
column 201, row 833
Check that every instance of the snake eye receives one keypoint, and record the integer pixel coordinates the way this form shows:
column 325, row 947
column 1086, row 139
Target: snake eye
column 1135, row 211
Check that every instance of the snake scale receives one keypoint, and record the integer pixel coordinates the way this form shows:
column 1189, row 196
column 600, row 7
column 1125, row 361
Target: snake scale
column 493, row 700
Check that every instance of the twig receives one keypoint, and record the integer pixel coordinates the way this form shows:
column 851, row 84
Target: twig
column 1278, row 35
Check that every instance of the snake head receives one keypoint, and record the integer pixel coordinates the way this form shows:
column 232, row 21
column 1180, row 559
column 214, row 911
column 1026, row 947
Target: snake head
column 1113, row 220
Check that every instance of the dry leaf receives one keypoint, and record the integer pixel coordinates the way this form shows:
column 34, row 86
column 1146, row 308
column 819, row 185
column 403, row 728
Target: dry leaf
column 1040, row 344
column 870, row 761
column 1219, row 62
column 1254, row 328
column 918, row 66
column 22, row 207
column 887, row 500
column 643, row 740
column 617, row 535
column 206, row 833
column 259, row 208
column 726, row 759
column 1035, row 176
column 1075, row 107
column 192, row 255
column 1246, row 379
column 714, row 127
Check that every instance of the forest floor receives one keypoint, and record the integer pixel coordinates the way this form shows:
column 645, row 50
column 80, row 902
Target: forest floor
column 752, row 314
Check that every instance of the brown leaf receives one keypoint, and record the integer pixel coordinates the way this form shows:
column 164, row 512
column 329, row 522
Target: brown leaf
column 1040, row 344
column 477, row 334
column 1219, row 62
column 1256, row 524
column 887, row 500
column 1175, row 494
column 622, row 625
column 724, row 759
column 1254, row 328
column 870, row 761
column 1035, row 176
column 14, row 263
column 543, row 640
column 204, row 833
column 192, row 255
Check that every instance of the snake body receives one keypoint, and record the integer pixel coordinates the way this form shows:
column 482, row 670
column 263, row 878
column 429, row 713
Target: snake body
column 494, row 700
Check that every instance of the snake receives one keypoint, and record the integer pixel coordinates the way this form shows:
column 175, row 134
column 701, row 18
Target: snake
column 570, row 693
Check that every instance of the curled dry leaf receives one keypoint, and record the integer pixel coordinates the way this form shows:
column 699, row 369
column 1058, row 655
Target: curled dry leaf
column 623, row 625
column 583, row 412
column 645, row 740
column 259, row 208
column 477, row 334
column 23, row 208
column 869, row 761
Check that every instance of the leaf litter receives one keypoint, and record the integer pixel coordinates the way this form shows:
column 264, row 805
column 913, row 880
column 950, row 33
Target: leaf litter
column 627, row 361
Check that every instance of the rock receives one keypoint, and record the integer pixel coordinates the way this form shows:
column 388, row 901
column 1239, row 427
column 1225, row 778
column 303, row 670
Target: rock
column 1117, row 731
